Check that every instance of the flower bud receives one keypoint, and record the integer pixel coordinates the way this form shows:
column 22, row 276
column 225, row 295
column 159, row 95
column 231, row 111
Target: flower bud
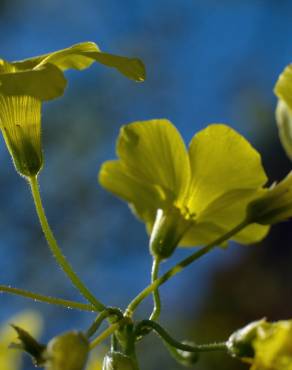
column 275, row 205
column 284, row 123
column 20, row 122
column 240, row 342
column 168, row 229
column 118, row 361
column 68, row 351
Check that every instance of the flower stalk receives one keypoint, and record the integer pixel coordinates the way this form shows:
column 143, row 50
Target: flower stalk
column 55, row 249
column 180, row 266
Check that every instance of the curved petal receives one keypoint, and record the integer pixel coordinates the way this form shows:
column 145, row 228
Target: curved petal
column 283, row 87
column 144, row 199
column 230, row 210
column 154, row 153
column 221, row 160
column 201, row 234
column 81, row 56
column 221, row 216
column 45, row 83
column 204, row 233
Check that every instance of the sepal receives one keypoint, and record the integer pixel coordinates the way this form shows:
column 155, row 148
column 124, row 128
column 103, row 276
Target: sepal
column 114, row 360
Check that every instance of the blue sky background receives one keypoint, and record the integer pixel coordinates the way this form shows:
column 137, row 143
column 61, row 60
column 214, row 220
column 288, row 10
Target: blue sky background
column 207, row 61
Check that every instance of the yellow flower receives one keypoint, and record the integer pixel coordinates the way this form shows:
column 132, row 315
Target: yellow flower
column 94, row 363
column 186, row 198
column 10, row 359
column 25, row 84
column 269, row 345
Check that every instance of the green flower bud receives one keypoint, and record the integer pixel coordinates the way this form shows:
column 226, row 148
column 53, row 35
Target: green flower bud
column 118, row 361
column 20, row 123
column 68, row 351
column 275, row 205
column 169, row 228
column 240, row 342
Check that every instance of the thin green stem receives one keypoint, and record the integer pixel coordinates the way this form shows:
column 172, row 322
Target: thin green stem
column 55, row 249
column 108, row 312
column 108, row 332
column 174, row 343
column 46, row 299
column 156, row 296
column 179, row 267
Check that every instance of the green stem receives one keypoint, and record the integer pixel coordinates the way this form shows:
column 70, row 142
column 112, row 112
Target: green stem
column 46, row 299
column 55, row 249
column 179, row 267
column 174, row 343
column 108, row 332
column 156, row 296
column 110, row 311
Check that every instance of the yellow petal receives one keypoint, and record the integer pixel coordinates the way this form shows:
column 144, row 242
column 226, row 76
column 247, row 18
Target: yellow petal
column 44, row 83
column 154, row 153
column 201, row 234
column 283, row 87
column 221, row 161
column 144, row 199
column 230, row 210
column 81, row 56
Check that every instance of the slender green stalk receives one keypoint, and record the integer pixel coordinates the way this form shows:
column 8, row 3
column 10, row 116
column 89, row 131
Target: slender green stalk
column 179, row 267
column 55, row 249
column 174, row 343
column 110, row 311
column 108, row 332
column 46, row 299
column 156, row 296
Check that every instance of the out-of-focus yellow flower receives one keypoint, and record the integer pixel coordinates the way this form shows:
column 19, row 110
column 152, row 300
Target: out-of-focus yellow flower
column 94, row 362
column 283, row 90
column 31, row 321
column 186, row 198
column 266, row 346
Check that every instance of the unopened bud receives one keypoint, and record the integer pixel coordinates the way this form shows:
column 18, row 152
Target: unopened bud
column 118, row 361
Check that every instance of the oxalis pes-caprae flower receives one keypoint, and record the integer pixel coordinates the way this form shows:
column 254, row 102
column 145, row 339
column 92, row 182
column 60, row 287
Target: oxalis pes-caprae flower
column 25, row 84
column 186, row 198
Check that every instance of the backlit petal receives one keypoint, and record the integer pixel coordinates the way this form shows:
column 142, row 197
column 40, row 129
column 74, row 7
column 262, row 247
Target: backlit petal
column 81, row 56
column 221, row 160
column 44, row 83
column 154, row 153
column 143, row 199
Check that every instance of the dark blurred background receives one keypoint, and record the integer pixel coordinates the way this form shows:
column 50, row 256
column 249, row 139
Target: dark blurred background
column 207, row 61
